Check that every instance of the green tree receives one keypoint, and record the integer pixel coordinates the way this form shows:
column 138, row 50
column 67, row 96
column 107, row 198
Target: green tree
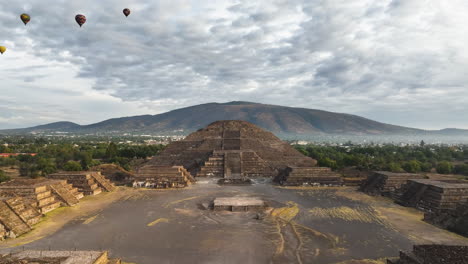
column 72, row 165
column 412, row 166
column 112, row 151
column 3, row 176
column 394, row 167
column 327, row 162
column 444, row 167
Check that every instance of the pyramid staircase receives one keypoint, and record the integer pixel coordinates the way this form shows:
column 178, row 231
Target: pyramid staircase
column 25, row 211
column 11, row 221
column 84, row 181
column 69, row 195
column 104, row 183
column 213, row 167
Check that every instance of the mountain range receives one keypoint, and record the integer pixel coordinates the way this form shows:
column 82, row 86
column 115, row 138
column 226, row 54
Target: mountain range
column 280, row 120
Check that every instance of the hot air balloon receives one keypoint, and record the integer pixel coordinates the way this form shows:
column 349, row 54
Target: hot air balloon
column 80, row 19
column 126, row 12
column 2, row 49
column 25, row 18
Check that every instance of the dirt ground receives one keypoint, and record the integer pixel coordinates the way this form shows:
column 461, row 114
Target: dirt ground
column 303, row 225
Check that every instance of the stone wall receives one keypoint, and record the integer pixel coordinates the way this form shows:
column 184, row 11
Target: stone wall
column 455, row 220
column 58, row 257
column 87, row 182
column 151, row 176
column 314, row 176
column 386, row 183
column 430, row 195
column 433, row 254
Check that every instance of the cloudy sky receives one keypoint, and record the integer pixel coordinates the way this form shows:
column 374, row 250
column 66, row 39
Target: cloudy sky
column 403, row 62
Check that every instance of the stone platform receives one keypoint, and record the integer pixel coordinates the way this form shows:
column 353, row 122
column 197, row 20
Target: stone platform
column 87, row 182
column 387, row 183
column 433, row 254
column 313, row 176
column 161, row 177
column 59, row 257
column 431, row 195
column 238, row 204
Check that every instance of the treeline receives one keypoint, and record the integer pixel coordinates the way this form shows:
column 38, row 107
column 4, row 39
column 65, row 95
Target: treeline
column 412, row 159
column 51, row 158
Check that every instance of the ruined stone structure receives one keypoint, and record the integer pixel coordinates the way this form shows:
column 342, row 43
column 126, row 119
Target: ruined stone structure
column 152, row 176
column 430, row 195
column 43, row 194
column 315, row 176
column 23, row 201
column 234, row 151
column 238, row 204
column 455, row 220
column 115, row 174
column 387, row 183
column 16, row 217
column 87, row 182
column 58, row 257
column 433, row 254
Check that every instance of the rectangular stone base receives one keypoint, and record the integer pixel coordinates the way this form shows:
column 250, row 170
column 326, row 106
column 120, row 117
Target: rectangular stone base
column 239, row 204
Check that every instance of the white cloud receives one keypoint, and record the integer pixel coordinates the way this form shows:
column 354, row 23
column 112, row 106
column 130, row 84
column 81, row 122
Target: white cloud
column 402, row 62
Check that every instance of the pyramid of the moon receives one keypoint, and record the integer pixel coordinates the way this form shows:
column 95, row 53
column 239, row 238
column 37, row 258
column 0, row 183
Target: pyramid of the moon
column 232, row 149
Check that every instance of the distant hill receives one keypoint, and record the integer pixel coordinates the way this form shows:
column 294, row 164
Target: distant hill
column 280, row 120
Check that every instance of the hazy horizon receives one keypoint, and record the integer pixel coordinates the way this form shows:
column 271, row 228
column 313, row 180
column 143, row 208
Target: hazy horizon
column 397, row 62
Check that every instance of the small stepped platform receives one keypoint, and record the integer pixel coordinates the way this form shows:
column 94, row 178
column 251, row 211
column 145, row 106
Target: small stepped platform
column 87, row 182
column 161, row 177
column 13, row 225
column 431, row 195
column 37, row 192
column 314, row 176
column 387, row 183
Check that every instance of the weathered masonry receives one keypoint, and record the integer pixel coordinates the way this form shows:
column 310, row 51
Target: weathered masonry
column 235, row 151
column 160, row 177
column 24, row 201
column 59, row 257
column 87, row 182
column 238, row 204
column 433, row 254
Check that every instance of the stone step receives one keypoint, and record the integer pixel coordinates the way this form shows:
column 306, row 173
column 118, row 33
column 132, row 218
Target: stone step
column 50, row 207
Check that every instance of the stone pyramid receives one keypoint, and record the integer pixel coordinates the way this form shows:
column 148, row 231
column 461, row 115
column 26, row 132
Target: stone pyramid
column 232, row 149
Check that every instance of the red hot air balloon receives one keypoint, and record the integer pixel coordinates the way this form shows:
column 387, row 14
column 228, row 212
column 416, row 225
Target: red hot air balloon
column 80, row 19
column 126, row 12
column 25, row 18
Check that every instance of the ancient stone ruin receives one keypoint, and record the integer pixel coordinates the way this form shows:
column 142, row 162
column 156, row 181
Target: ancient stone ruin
column 431, row 196
column 238, row 204
column 455, row 220
column 387, row 183
column 237, row 151
column 160, row 177
column 58, row 257
column 87, row 182
column 23, row 201
column 433, row 254
column 115, row 173
column 294, row 176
